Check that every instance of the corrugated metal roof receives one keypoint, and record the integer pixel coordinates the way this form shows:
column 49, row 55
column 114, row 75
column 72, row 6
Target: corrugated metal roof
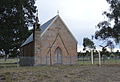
column 28, row 40
column 43, row 27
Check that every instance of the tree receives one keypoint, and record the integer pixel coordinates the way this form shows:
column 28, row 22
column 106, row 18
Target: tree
column 117, row 53
column 104, row 50
column 87, row 43
column 110, row 45
column 106, row 30
column 15, row 18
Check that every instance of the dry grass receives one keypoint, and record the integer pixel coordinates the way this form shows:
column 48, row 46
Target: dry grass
column 75, row 73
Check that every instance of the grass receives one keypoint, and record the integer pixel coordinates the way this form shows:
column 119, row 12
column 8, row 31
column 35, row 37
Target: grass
column 12, row 60
column 61, row 73
column 107, row 61
column 8, row 63
column 40, row 73
column 24, row 73
column 82, row 72
column 112, row 61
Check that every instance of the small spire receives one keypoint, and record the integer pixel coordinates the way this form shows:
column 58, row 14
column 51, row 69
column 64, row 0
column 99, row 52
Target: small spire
column 57, row 12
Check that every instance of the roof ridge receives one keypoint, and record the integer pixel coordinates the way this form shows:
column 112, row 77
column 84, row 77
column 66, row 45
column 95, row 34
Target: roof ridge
column 42, row 27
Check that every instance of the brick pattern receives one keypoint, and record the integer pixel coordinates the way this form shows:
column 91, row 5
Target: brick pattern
column 57, row 35
column 42, row 49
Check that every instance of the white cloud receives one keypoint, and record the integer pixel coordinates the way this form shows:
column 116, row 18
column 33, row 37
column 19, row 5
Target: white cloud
column 80, row 16
column 83, row 9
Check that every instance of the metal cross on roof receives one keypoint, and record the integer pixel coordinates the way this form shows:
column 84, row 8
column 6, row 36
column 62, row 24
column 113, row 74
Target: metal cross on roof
column 58, row 12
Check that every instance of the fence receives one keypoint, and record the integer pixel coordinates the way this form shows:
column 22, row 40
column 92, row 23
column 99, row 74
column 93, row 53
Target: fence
column 104, row 60
column 10, row 62
column 47, row 60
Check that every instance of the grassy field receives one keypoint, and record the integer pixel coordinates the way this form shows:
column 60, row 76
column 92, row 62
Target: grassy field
column 87, row 61
column 111, row 61
column 82, row 72
column 74, row 73
column 13, row 62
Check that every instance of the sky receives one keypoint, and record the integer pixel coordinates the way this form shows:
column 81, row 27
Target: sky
column 80, row 16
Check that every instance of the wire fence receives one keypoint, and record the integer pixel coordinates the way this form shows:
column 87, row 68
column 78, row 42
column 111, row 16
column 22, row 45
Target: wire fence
column 48, row 60
column 54, row 60
column 104, row 60
column 9, row 62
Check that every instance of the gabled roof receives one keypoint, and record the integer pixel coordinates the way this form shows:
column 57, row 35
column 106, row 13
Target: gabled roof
column 43, row 27
column 28, row 40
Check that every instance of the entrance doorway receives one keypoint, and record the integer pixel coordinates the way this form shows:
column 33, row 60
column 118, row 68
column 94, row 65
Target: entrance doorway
column 58, row 56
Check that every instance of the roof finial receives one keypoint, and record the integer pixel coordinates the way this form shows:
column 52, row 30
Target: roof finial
column 57, row 12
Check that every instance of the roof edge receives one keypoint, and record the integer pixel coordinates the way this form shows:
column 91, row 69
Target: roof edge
column 68, row 29
column 49, row 25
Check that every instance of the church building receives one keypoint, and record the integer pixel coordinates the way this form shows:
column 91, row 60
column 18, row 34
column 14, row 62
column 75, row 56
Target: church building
column 50, row 44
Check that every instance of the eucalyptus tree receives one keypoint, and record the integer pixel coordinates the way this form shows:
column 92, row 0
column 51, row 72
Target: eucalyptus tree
column 107, row 29
column 87, row 43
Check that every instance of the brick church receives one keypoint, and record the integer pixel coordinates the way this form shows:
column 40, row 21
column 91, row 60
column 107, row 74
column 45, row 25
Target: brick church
column 50, row 44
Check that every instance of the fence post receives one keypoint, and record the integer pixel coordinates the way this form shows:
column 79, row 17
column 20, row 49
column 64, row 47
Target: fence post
column 92, row 56
column 17, row 61
column 70, row 59
column 46, row 59
column 99, row 57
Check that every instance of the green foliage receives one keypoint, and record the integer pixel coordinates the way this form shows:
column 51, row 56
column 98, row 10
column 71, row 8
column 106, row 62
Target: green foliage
column 110, row 45
column 106, row 30
column 87, row 43
column 15, row 18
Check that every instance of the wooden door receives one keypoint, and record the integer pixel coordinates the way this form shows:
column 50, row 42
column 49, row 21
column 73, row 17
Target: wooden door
column 58, row 56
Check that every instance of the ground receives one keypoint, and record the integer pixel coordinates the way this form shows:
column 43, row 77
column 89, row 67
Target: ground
column 74, row 73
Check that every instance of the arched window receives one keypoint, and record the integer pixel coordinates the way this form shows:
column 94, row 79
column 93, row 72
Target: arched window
column 58, row 56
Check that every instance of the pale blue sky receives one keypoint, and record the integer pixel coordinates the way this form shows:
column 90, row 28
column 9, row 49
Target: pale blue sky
column 81, row 16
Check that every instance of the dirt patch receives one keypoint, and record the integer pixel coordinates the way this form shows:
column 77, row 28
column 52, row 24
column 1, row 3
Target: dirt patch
column 75, row 73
